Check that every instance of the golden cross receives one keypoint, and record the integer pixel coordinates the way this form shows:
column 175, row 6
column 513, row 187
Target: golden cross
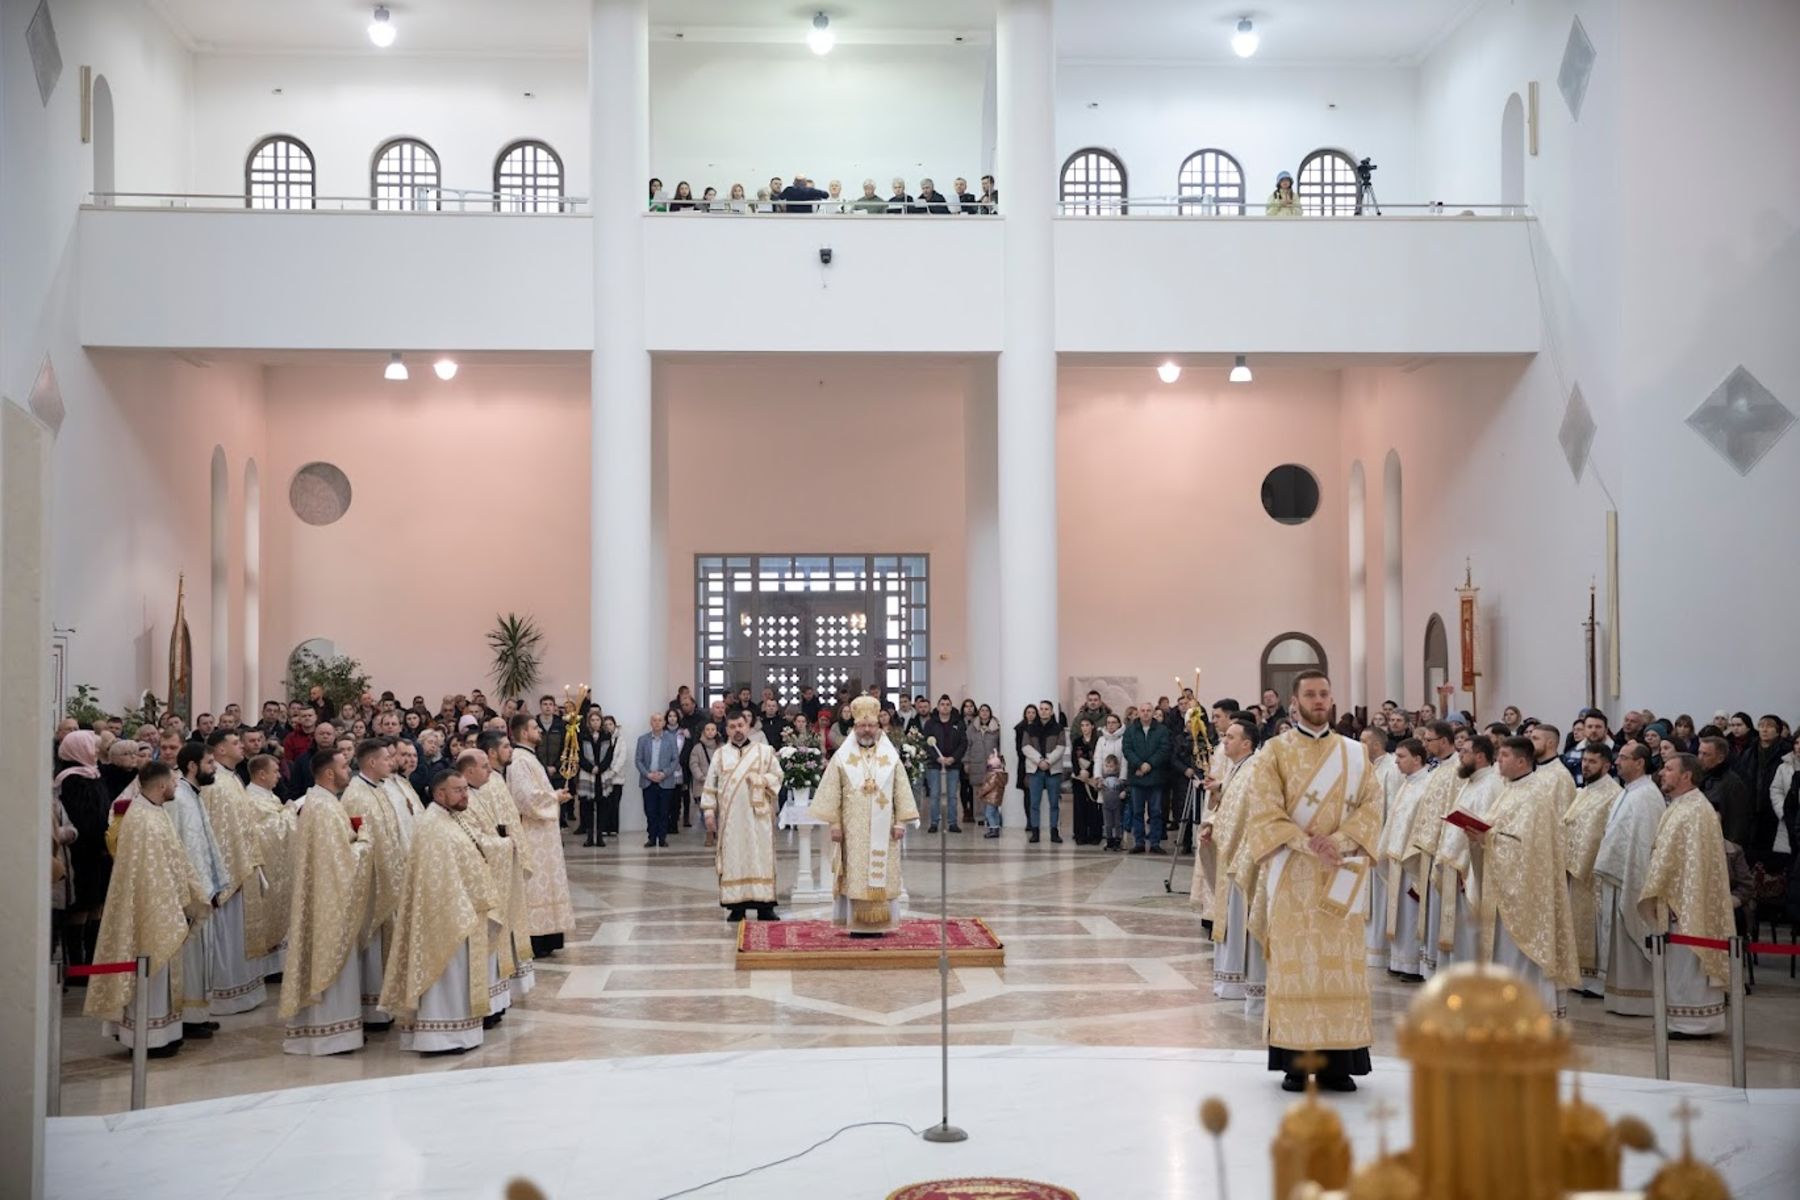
column 1685, row 1113
column 1381, row 1111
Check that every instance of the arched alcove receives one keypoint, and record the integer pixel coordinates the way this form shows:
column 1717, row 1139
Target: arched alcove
column 1392, row 651
column 252, row 693
column 1359, row 580
column 1437, row 657
column 1288, row 655
column 220, row 616
column 104, row 184
column 1512, row 153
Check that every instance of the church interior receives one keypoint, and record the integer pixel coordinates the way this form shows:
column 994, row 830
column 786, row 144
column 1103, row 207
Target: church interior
column 343, row 333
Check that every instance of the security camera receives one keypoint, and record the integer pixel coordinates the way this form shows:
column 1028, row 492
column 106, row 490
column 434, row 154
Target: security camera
column 825, row 256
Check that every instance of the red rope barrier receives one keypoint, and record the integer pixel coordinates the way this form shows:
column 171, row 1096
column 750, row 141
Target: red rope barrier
column 1681, row 939
column 1770, row 948
column 119, row 968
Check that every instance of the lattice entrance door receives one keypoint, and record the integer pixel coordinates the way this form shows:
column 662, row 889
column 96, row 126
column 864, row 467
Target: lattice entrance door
column 808, row 638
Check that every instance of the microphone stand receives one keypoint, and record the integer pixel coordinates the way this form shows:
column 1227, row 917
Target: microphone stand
column 944, row 1131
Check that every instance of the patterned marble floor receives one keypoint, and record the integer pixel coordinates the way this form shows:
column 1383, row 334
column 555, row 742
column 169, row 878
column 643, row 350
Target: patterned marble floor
column 1097, row 954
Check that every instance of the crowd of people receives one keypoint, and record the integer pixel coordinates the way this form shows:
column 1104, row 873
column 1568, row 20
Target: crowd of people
column 802, row 195
column 388, row 862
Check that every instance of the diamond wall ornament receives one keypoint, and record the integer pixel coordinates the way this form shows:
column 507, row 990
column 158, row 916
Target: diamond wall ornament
column 46, row 58
column 1577, row 433
column 1742, row 420
column 1577, row 65
column 46, row 398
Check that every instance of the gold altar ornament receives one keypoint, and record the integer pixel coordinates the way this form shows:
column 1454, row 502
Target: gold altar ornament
column 1310, row 1146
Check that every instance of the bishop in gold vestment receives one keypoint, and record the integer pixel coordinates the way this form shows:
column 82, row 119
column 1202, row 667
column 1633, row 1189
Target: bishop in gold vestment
column 1686, row 891
column 1314, row 825
column 738, row 801
column 866, row 800
column 151, row 901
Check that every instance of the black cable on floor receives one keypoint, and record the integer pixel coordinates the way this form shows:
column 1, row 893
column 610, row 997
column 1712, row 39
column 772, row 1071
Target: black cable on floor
column 700, row 1187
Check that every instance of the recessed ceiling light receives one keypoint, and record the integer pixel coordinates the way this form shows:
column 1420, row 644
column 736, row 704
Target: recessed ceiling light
column 381, row 29
column 821, row 39
column 445, row 368
column 396, row 369
column 1240, row 372
column 1169, row 372
column 1245, row 40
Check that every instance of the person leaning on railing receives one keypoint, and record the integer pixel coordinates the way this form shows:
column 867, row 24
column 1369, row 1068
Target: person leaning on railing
column 1282, row 201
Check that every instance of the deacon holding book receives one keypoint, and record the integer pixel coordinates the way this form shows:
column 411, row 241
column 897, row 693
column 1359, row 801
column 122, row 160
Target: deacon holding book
column 866, row 800
column 1314, row 823
column 738, row 801
column 1457, row 935
column 1522, row 905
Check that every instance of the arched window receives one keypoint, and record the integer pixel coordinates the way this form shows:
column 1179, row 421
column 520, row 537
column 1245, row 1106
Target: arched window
column 528, row 177
column 1287, row 656
column 279, row 174
column 1212, row 182
column 1437, row 658
column 1326, row 184
column 405, row 177
column 1093, row 181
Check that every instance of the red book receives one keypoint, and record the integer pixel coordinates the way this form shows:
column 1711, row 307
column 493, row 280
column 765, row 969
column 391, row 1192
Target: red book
column 1467, row 820
column 120, row 805
column 355, row 824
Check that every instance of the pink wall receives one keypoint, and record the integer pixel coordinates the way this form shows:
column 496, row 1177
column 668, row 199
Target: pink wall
column 1167, row 558
column 131, row 511
column 814, row 455
column 470, row 498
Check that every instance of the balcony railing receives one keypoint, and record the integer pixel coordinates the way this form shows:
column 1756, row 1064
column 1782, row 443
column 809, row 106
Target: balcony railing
column 1207, row 205
column 426, row 199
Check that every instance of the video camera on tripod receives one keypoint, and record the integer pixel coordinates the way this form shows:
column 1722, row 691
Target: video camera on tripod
column 1365, row 188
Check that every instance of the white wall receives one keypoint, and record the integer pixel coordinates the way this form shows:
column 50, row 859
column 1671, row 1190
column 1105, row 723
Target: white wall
column 1268, row 117
column 725, row 114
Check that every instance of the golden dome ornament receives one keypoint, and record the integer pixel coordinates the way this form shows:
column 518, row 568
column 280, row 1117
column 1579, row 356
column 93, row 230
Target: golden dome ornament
column 1590, row 1146
column 1310, row 1146
column 1388, row 1177
column 1685, row 1178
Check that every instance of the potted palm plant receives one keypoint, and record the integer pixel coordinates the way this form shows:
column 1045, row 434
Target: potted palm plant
column 517, row 645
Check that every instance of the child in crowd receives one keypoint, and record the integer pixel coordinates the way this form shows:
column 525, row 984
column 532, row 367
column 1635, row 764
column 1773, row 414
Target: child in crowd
column 1112, row 790
column 993, row 791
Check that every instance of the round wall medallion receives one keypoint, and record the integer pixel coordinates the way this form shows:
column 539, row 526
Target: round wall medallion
column 320, row 493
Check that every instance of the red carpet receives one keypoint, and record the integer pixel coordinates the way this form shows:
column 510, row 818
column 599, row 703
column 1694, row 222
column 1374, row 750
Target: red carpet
column 983, row 1189
column 822, row 946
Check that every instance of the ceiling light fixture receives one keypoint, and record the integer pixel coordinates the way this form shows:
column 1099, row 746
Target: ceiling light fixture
column 1240, row 371
column 445, row 368
column 396, row 369
column 1169, row 372
column 1245, row 40
column 821, row 39
column 381, row 29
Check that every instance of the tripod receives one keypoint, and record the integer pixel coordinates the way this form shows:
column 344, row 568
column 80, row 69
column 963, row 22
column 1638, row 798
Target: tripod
column 1184, row 834
column 1365, row 194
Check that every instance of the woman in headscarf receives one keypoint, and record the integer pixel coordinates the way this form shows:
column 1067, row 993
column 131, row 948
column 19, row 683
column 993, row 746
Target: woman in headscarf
column 85, row 801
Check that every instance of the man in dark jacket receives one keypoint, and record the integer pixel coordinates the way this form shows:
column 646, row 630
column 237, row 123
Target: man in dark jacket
column 944, row 734
column 1725, row 788
column 801, row 196
column 1147, row 750
column 931, row 200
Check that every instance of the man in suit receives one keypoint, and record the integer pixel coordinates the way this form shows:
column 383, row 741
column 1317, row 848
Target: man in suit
column 659, row 774
column 802, row 196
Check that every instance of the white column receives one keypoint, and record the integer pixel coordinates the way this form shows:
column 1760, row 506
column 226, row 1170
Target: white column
column 621, row 570
column 1025, row 68
column 24, row 782
column 982, row 548
column 1358, row 683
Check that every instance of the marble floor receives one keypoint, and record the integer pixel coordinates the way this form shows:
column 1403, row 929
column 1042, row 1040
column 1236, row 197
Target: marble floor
column 1098, row 956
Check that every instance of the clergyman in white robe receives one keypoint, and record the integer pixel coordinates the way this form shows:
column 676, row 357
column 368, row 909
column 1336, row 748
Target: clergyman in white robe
column 1619, row 872
column 1375, row 930
column 1403, row 864
column 1457, row 875
column 195, row 829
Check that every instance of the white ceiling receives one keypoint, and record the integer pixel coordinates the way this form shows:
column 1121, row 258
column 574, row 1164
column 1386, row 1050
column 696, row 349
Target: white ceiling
column 1293, row 31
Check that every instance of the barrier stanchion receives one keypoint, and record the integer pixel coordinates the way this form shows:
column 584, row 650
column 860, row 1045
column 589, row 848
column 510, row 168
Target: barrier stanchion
column 53, row 1085
column 1740, row 1074
column 140, row 1007
column 1659, row 990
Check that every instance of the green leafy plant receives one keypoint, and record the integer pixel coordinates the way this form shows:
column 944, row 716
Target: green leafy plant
column 147, row 711
column 517, row 644
column 341, row 677
column 84, row 705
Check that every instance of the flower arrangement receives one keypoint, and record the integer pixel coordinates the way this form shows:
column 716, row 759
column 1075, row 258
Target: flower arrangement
column 913, row 752
column 802, row 760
